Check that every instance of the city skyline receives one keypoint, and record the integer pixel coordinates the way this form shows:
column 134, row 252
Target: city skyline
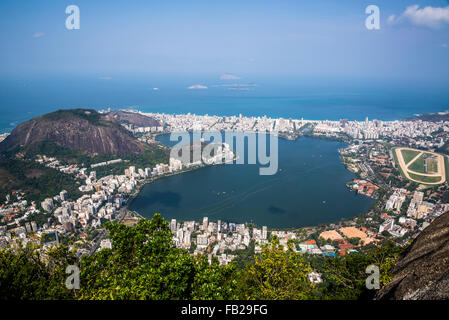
column 224, row 150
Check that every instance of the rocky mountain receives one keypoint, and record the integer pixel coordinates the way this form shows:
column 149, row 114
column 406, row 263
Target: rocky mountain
column 432, row 117
column 422, row 270
column 80, row 129
column 136, row 119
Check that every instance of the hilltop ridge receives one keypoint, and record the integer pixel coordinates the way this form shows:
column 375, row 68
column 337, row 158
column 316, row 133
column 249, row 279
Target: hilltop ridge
column 80, row 129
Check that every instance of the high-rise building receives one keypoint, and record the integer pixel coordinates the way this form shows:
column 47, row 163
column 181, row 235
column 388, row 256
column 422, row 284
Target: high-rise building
column 219, row 226
column 47, row 204
column 173, row 225
column 63, row 194
column 418, row 196
column 28, row 227
column 187, row 238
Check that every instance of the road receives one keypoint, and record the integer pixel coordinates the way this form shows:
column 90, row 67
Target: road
column 97, row 240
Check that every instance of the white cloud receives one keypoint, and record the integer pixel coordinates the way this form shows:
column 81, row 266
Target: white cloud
column 391, row 19
column 235, row 85
column 196, row 87
column 432, row 17
column 228, row 76
column 38, row 34
column 444, row 45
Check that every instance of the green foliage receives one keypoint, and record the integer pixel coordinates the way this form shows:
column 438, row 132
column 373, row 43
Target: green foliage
column 28, row 274
column 87, row 114
column 344, row 277
column 214, row 282
column 39, row 217
column 425, row 179
column 408, row 155
column 354, row 241
column 38, row 182
column 148, row 159
column 244, row 256
column 276, row 275
column 52, row 149
column 144, row 264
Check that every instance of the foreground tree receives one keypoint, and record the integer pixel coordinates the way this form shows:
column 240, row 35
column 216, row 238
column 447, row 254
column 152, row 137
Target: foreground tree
column 345, row 277
column 27, row 273
column 278, row 273
column 144, row 264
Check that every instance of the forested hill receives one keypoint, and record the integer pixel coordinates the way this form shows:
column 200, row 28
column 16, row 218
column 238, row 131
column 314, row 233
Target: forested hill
column 433, row 117
column 35, row 181
column 77, row 136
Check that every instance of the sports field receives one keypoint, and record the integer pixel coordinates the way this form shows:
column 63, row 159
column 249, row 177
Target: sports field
column 425, row 163
column 409, row 154
column 421, row 166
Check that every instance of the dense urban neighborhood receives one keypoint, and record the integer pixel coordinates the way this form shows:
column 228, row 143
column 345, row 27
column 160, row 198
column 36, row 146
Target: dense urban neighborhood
column 403, row 207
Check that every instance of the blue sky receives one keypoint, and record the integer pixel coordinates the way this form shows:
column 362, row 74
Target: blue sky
column 308, row 38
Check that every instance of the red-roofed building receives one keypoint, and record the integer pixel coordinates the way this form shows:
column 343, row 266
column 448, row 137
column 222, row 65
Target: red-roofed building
column 346, row 246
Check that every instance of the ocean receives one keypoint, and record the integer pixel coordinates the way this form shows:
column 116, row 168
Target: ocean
column 24, row 98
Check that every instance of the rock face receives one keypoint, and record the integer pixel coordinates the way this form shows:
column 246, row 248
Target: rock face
column 422, row 271
column 79, row 129
column 433, row 117
column 136, row 119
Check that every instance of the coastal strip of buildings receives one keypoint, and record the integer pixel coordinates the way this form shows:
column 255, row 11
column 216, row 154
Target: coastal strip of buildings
column 403, row 213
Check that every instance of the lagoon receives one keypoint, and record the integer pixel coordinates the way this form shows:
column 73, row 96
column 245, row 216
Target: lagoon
column 308, row 189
